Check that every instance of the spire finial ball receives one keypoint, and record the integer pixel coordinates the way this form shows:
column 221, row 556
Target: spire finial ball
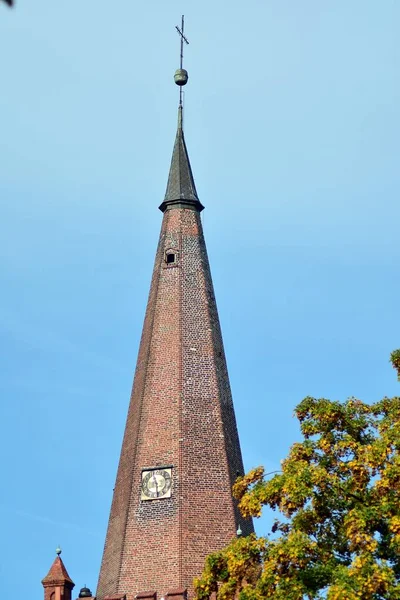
column 58, row 550
column 181, row 77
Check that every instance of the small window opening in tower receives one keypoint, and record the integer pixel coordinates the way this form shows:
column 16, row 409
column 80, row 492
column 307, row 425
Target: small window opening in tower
column 170, row 258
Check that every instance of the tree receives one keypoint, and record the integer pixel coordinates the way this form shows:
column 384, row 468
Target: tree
column 338, row 532
column 395, row 360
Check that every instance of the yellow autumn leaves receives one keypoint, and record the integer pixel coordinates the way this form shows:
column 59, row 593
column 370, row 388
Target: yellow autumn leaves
column 337, row 535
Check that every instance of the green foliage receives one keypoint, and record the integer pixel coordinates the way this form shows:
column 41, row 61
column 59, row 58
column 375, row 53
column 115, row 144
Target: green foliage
column 395, row 360
column 337, row 535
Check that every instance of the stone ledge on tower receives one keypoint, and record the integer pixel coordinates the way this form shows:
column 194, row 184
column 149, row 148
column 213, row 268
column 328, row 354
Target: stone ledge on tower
column 178, row 594
column 146, row 596
column 116, row 597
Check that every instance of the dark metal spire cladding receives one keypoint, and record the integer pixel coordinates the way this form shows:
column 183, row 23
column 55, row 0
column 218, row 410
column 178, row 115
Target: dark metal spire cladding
column 181, row 189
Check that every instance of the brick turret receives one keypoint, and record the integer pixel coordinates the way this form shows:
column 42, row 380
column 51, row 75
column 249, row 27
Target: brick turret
column 172, row 502
column 57, row 584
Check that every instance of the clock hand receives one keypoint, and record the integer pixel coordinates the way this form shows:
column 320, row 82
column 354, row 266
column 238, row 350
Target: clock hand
column 155, row 483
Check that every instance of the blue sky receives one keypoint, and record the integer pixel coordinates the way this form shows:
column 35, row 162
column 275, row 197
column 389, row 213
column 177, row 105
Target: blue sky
column 293, row 128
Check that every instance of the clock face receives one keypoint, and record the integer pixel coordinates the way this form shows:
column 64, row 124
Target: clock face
column 156, row 483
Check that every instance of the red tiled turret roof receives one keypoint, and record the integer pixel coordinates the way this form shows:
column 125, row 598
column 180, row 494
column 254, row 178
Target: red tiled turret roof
column 58, row 573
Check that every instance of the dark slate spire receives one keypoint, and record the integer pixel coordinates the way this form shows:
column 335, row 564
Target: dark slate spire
column 181, row 189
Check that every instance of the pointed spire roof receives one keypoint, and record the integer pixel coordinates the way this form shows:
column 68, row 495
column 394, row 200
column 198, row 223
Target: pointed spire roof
column 181, row 189
column 57, row 574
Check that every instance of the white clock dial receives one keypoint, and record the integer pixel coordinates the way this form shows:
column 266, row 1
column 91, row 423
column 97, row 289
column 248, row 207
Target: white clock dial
column 156, row 483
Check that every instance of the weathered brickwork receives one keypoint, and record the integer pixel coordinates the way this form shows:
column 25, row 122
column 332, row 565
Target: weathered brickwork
column 180, row 415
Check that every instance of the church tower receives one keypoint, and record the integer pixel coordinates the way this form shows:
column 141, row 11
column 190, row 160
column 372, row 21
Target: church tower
column 172, row 502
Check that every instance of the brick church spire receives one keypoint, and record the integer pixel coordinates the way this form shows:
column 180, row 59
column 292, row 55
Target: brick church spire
column 172, row 503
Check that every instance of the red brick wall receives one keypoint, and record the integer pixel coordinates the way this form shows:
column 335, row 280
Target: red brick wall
column 50, row 592
column 181, row 414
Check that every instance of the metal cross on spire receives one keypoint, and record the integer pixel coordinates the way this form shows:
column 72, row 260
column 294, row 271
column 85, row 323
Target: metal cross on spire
column 182, row 36
column 181, row 75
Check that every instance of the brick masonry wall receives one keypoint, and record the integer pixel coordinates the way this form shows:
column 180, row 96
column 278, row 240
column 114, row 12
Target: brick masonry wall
column 181, row 414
